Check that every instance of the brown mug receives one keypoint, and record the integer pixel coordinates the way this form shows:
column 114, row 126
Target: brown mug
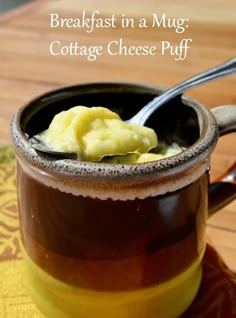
column 118, row 240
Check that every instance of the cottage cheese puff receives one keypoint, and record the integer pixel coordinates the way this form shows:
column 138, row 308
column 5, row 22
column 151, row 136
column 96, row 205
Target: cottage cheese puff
column 96, row 132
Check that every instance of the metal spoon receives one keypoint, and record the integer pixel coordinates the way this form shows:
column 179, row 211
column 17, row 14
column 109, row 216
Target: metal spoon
column 227, row 68
column 37, row 144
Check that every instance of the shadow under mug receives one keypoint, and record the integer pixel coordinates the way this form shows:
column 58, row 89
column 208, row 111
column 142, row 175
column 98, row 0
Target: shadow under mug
column 112, row 240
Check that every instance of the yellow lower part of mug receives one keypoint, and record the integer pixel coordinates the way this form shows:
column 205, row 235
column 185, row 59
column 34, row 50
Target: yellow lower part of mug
column 56, row 299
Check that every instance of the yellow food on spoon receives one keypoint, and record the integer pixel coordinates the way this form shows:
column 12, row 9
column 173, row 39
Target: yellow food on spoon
column 96, row 132
column 165, row 152
column 133, row 158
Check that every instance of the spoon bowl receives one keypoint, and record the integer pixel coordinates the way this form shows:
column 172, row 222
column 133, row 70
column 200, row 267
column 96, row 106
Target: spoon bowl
column 42, row 149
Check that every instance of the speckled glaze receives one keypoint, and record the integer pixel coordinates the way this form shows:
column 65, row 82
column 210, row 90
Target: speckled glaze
column 114, row 180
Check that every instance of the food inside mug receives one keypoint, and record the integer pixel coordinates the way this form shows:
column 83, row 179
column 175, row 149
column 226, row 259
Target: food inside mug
column 96, row 132
column 175, row 125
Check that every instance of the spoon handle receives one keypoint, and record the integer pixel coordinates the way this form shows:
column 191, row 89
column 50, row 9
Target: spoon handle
column 227, row 68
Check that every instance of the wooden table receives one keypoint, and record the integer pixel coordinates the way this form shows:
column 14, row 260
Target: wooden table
column 27, row 68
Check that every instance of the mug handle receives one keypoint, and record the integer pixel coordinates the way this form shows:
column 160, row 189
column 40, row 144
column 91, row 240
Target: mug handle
column 223, row 190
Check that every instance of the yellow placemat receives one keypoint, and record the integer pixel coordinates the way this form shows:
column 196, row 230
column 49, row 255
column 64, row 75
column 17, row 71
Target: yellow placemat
column 216, row 297
column 14, row 301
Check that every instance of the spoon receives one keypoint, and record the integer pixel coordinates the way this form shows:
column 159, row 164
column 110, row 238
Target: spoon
column 37, row 144
column 227, row 68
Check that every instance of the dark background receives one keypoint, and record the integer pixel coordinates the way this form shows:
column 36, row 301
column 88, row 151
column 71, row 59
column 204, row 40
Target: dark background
column 10, row 4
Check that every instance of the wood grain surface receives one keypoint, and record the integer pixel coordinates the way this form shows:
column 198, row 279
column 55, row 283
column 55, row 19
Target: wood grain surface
column 27, row 68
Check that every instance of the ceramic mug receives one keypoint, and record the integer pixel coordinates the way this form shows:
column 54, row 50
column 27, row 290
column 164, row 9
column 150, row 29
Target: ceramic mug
column 118, row 240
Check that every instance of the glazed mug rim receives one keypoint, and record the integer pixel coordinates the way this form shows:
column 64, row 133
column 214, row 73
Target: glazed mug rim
column 200, row 150
column 105, row 175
